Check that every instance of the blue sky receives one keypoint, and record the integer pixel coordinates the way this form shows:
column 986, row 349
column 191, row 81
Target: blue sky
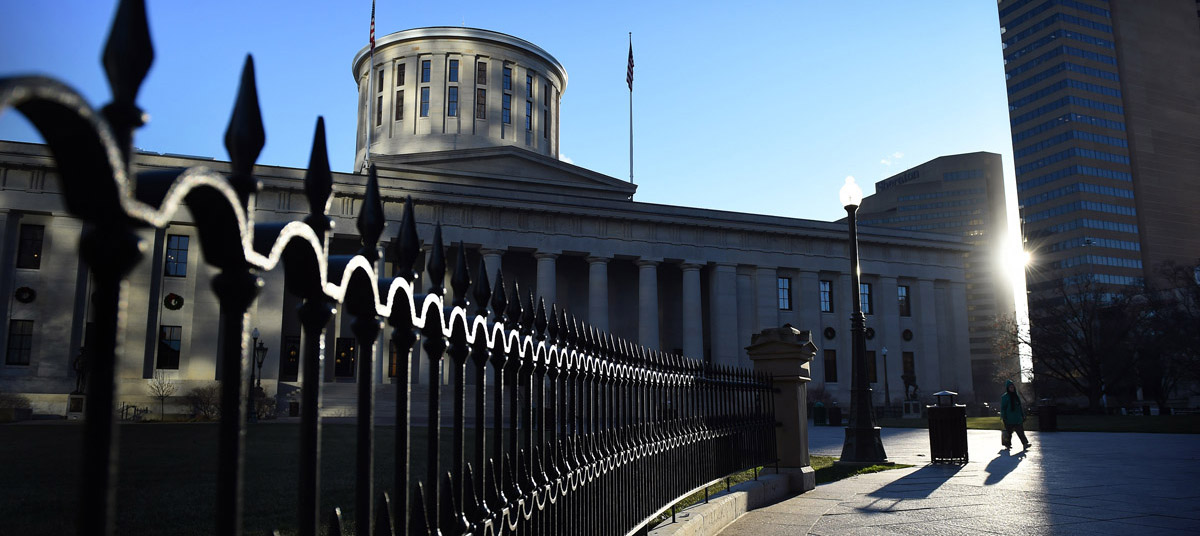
column 760, row 107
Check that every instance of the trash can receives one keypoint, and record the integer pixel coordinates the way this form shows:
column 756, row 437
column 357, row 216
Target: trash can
column 819, row 414
column 1047, row 416
column 835, row 416
column 947, row 429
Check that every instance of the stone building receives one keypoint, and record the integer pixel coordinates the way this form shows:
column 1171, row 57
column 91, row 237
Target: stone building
column 693, row 281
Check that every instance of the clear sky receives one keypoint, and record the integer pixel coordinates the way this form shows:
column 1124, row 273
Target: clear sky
column 760, row 107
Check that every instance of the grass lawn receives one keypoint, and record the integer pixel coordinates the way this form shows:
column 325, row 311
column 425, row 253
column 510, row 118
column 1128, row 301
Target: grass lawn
column 1170, row 424
column 167, row 476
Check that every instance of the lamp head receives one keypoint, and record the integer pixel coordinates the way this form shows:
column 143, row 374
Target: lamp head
column 884, row 350
column 850, row 194
column 254, row 334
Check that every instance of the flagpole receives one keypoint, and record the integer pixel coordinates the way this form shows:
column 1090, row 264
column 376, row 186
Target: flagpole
column 370, row 93
column 630, row 77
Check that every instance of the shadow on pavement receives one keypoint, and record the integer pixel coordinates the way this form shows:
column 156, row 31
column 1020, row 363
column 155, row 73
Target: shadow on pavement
column 919, row 484
column 1003, row 464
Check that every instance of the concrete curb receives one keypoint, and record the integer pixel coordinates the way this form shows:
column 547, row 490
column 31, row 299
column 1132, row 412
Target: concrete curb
column 707, row 519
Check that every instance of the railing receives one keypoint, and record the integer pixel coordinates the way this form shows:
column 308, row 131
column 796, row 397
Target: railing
column 590, row 434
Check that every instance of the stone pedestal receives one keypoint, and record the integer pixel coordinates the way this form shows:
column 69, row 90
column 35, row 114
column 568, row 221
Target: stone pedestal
column 76, row 404
column 785, row 354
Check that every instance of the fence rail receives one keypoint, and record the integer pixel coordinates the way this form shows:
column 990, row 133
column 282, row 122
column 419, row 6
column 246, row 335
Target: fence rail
column 590, row 434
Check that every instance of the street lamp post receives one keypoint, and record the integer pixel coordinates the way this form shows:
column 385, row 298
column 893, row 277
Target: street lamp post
column 260, row 355
column 862, row 445
column 887, row 388
column 251, row 410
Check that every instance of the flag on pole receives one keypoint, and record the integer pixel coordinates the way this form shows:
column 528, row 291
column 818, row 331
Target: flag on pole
column 373, row 27
column 629, row 72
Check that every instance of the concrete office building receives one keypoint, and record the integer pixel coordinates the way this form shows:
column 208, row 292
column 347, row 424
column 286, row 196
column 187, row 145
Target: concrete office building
column 1104, row 99
column 677, row 279
column 962, row 195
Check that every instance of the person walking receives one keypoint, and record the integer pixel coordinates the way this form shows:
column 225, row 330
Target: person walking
column 1013, row 416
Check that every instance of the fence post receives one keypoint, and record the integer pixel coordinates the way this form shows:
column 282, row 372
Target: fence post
column 784, row 353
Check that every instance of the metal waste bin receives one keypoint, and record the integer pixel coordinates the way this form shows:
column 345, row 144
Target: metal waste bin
column 819, row 414
column 1047, row 416
column 835, row 416
column 947, row 429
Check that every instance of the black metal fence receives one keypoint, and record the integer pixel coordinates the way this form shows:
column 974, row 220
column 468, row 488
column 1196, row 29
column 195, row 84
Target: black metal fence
column 589, row 434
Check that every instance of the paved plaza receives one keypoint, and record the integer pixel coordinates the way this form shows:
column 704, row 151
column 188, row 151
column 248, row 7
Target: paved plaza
column 1068, row 483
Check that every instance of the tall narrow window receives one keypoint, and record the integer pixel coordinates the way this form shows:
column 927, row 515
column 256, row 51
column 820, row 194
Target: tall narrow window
column 452, row 101
column 864, row 298
column 480, row 104
column 425, row 102
column 480, row 72
column 830, row 366
column 546, row 95
column 400, row 74
column 379, row 110
column 529, row 86
column 546, row 123
column 29, row 248
column 783, row 286
column 528, row 116
column 826, row 296
column 872, row 367
column 379, row 82
column 908, row 364
column 506, row 109
column 508, row 79
column 20, row 342
column 393, row 359
column 452, row 73
column 177, row 255
column 344, row 357
column 424, row 71
column 168, row 347
column 289, row 369
column 905, row 302
column 399, row 104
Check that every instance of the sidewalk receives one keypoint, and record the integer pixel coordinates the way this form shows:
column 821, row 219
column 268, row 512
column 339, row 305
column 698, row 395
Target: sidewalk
column 1068, row 483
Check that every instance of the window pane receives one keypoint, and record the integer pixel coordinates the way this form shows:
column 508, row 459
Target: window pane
column 506, row 109
column 289, row 369
column 528, row 115
column 452, row 102
column 424, row 102
column 784, row 286
column 905, row 303
column 480, row 104
column 177, row 255
column 480, row 73
column 400, row 75
column 831, row 366
column 168, row 347
column 29, row 248
column 508, row 78
column 864, row 298
column 453, row 74
column 425, row 71
column 400, row 105
column 872, row 367
column 826, row 296
column 20, row 342
column 529, row 86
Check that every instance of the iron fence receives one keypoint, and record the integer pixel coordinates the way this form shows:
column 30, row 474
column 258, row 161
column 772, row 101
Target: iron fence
column 589, row 433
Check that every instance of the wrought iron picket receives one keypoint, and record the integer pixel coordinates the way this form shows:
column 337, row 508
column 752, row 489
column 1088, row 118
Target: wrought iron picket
column 590, row 434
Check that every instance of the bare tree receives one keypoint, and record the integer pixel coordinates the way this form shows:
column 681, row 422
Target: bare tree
column 162, row 388
column 1169, row 346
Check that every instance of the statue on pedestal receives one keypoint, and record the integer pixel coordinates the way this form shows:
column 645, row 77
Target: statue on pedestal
column 81, row 366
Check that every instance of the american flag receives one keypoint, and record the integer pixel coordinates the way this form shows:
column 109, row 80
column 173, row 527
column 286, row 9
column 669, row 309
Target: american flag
column 373, row 27
column 629, row 72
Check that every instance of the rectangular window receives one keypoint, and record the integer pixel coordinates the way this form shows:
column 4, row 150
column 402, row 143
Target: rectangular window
column 452, row 74
column 379, row 82
column 425, row 102
column 506, row 109
column 905, row 302
column 507, row 79
column 29, row 248
column 872, row 367
column 545, row 94
column 830, row 366
column 546, row 123
column 424, row 71
column 480, row 73
column 392, row 359
column 400, row 105
column 177, row 255
column 168, row 347
column 344, row 358
column 400, row 74
column 452, row 101
column 289, row 369
column 826, row 296
column 20, row 342
column 529, row 86
column 908, row 364
column 379, row 110
column 864, row 298
column 784, row 286
column 528, row 116
column 480, row 104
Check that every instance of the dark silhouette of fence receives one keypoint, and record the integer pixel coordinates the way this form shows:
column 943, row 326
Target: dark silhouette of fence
column 590, row 434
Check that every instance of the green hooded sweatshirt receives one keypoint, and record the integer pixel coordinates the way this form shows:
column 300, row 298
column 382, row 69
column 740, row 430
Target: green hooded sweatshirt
column 1010, row 406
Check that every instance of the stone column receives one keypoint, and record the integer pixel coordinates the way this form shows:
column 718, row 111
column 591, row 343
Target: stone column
column 693, row 326
column 598, row 292
column 926, row 338
column 887, row 335
column 766, row 294
column 492, row 258
column 724, row 319
column 807, row 309
column 785, row 353
column 960, row 340
column 547, row 282
column 648, row 304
